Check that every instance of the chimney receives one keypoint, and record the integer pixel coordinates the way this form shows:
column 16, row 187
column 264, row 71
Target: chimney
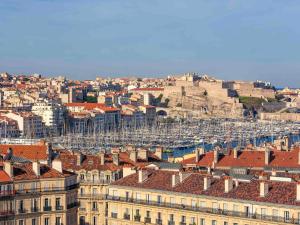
column 175, row 180
column 143, row 154
column 228, row 184
column 8, row 168
column 159, row 152
column 235, row 153
column 116, row 159
column 36, row 167
column 143, row 175
column 9, row 154
column 79, row 158
column 183, row 176
column 57, row 165
column 199, row 152
column 263, row 188
column 133, row 155
column 216, row 155
column 207, row 183
column 102, row 158
column 267, row 156
column 298, row 191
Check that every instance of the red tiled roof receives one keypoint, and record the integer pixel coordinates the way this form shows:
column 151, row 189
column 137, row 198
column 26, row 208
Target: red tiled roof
column 31, row 152
column 249, row 158
column 279, row 192
column 4, row 176
column 90, row 106
column 24, row 171
column 92, row 162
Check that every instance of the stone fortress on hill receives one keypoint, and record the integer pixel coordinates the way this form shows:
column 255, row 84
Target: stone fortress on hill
column 203, row 96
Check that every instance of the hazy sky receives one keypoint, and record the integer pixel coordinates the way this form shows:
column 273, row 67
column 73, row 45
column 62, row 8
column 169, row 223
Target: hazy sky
column 233, row 39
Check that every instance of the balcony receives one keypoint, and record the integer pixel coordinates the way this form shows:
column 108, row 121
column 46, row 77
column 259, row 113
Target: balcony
column 171, row 222
column 182, row 223
column 94, row 209
column 82, row 209
column 7, row 215
column 34, row 209
column 126, row 216
column 114, row 215
column 47, row 208
column 137, row 218
column 42, row 190
column 254, row 216
column 59, row 207
column 147, row 220
column 22, row 211
column 73, row 205
column 6, row 194
column 158, row 221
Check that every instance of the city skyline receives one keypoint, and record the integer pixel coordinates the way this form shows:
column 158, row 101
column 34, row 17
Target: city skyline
column 229, row 40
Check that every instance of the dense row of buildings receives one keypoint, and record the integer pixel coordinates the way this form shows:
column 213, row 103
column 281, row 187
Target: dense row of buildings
column 40, row 184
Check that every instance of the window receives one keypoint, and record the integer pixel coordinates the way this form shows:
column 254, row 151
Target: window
column 33, row 221
column 81, row 191
column 138, row 196
column 202, row 221
column 46, row 202
column 183, row 201
column 194, row 203
column 21, row 222
column 171, row 217
column 202, row 204
column 57, row 202
column 95, row 191
column 159, row 199
column 275, row 214
column 148, row 198
column 213, row 222
column 57, row 221
column 215, row 206
column 183, row 218
column 193, row 221
column 95, row 206
column 94, row 220
column 82, row 220
column 148, row 214
column 46, row 221
column 137, row 212
column 159, row 215
column 286, row 216
column 225, row 207
column 225, row 223
column 263, row 212
column 172, row 200
column 127, row 195
column 21, row 205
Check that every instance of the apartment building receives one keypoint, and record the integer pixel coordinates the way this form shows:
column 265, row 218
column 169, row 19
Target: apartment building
column 52, row 115
column 96, row 172
column 30, row 125
column 111, row 115
column 180, row 198
column 32, row 193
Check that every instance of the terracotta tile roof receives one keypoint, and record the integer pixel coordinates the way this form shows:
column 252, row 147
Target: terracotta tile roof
column 4, row 177
column 92, row 162
column 249, row 158
column 31, row 152
column 90, row 106
column 24, row 171
column 279, row 192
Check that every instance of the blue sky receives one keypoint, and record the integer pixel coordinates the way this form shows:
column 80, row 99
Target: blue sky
column 230, row 39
